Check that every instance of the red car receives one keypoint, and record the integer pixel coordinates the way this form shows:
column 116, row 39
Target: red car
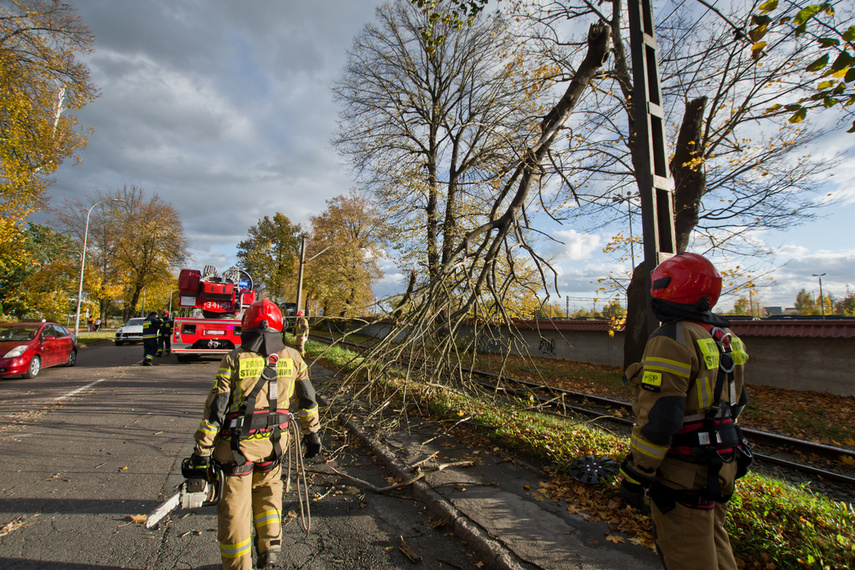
column 26, row 348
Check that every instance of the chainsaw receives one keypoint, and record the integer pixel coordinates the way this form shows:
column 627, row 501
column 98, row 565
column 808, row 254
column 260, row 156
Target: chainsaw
column 202, row 487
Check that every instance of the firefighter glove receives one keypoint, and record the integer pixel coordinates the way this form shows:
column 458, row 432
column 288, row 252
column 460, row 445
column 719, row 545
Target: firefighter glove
column 200, row 461
column 312, row 444
column 633, row 494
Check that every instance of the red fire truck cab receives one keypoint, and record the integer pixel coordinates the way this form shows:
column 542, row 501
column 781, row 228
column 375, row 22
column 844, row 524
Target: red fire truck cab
column 217, row 302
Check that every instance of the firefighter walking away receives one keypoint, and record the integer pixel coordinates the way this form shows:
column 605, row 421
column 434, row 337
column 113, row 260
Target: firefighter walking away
column 686, row 449
column 150, row 327
column 245, row 429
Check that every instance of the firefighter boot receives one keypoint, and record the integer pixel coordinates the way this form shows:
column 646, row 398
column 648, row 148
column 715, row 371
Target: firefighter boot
column 267, row 559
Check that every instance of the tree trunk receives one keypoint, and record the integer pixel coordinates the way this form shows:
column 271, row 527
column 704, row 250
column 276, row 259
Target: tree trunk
column 688, row 170
column 689, row 188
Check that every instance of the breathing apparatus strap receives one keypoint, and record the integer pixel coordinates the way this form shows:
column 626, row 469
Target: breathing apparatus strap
column 247, row 409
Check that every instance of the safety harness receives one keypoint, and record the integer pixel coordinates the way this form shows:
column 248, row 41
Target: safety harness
column 249, row 423
column 710, row 439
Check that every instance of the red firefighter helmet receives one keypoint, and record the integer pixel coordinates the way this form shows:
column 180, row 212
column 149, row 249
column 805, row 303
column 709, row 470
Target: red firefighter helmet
column 262, row 314
column 299, row 313
column 165, row 313
column 686, row 279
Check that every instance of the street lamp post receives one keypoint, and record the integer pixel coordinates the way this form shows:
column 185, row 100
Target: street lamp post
column 83, row 263
column 821, row 298
column 628, row 199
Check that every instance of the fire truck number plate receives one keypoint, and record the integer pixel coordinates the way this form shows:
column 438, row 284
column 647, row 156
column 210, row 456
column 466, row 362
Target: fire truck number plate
column 214, row 332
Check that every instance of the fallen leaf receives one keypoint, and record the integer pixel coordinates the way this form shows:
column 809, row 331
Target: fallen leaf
column 139, row 518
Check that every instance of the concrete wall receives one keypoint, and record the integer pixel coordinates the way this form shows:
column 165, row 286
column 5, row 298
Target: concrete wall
column 794, row 362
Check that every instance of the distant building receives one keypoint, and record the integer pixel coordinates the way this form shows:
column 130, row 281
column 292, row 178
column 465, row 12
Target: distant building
column 779, row 311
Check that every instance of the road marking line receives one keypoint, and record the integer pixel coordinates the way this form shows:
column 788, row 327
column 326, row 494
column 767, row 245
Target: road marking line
column 73, row 392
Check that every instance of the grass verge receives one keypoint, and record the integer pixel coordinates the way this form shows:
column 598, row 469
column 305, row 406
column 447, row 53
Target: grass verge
column 772, row 524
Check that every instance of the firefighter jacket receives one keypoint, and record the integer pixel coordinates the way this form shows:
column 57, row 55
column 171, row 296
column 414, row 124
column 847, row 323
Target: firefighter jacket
column 239, row 372
column 165, row 328
column 150, row 328
column 301, row 327
column 675, row 391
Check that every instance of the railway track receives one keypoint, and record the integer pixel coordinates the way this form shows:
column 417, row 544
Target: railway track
column 774, row 449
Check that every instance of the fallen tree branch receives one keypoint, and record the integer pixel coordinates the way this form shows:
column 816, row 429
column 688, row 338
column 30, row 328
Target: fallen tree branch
column 421, row 473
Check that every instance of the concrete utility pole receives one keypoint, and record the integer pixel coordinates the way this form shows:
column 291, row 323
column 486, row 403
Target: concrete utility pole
column 300, row 275
column 821, row 299
column 654, row 183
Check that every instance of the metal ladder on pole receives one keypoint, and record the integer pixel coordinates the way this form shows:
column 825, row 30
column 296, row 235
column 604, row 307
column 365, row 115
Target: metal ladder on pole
column 654, row 183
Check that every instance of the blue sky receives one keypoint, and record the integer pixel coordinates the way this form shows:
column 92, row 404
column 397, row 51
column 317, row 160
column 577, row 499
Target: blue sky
column 224, row 109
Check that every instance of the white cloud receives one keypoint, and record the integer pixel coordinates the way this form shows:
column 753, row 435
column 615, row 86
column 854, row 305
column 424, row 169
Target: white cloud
column 574, row 246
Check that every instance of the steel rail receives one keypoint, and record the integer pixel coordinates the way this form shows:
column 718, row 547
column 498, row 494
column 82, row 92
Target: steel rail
column 758, row 437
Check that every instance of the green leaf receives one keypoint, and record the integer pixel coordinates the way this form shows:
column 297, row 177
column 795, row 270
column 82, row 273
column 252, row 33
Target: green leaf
column 818, row 64
column 760, row 20
column 768, row 6
column 757, row 50
column 828, row 42
column 849, row 34
column 757, row 33
column 799, row 116
column 806, row 13
column 793, row 107
column 843, row 61
column 826, row 85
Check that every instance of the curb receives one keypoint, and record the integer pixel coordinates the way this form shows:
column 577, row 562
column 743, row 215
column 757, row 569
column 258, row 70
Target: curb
column 493, row 553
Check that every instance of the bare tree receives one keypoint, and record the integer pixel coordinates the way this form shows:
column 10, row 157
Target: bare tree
column 739, row 165
column 105, row 275
column 473, row 283
column 430, row 128
column 151, row 243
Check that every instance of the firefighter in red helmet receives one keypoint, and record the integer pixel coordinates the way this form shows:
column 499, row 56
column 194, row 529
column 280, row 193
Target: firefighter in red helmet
column 686, row 449
column 244, row 430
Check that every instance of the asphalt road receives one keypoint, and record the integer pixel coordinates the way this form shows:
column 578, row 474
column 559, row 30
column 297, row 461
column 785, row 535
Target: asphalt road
column 87, row 448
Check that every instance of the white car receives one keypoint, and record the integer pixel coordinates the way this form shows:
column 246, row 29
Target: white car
column 131, row 331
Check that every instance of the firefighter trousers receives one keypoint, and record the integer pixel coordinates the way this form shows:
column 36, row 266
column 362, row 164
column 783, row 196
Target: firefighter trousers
column 149, row 349
column 693, row 538
column 250, row 500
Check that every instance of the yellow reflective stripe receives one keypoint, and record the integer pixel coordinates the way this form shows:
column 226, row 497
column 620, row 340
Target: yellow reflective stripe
column 207, row 427
column 628, row 478
column 313, row 411
column 237, row 550
column 704, row 392
column 655, row 363
column 267, row 518
column 647, row 448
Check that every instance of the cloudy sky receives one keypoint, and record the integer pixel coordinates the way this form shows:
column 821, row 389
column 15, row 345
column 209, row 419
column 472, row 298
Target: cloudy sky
column 224, row 109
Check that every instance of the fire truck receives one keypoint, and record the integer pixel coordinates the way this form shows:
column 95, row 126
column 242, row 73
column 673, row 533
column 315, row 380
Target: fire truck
column 217, row 303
